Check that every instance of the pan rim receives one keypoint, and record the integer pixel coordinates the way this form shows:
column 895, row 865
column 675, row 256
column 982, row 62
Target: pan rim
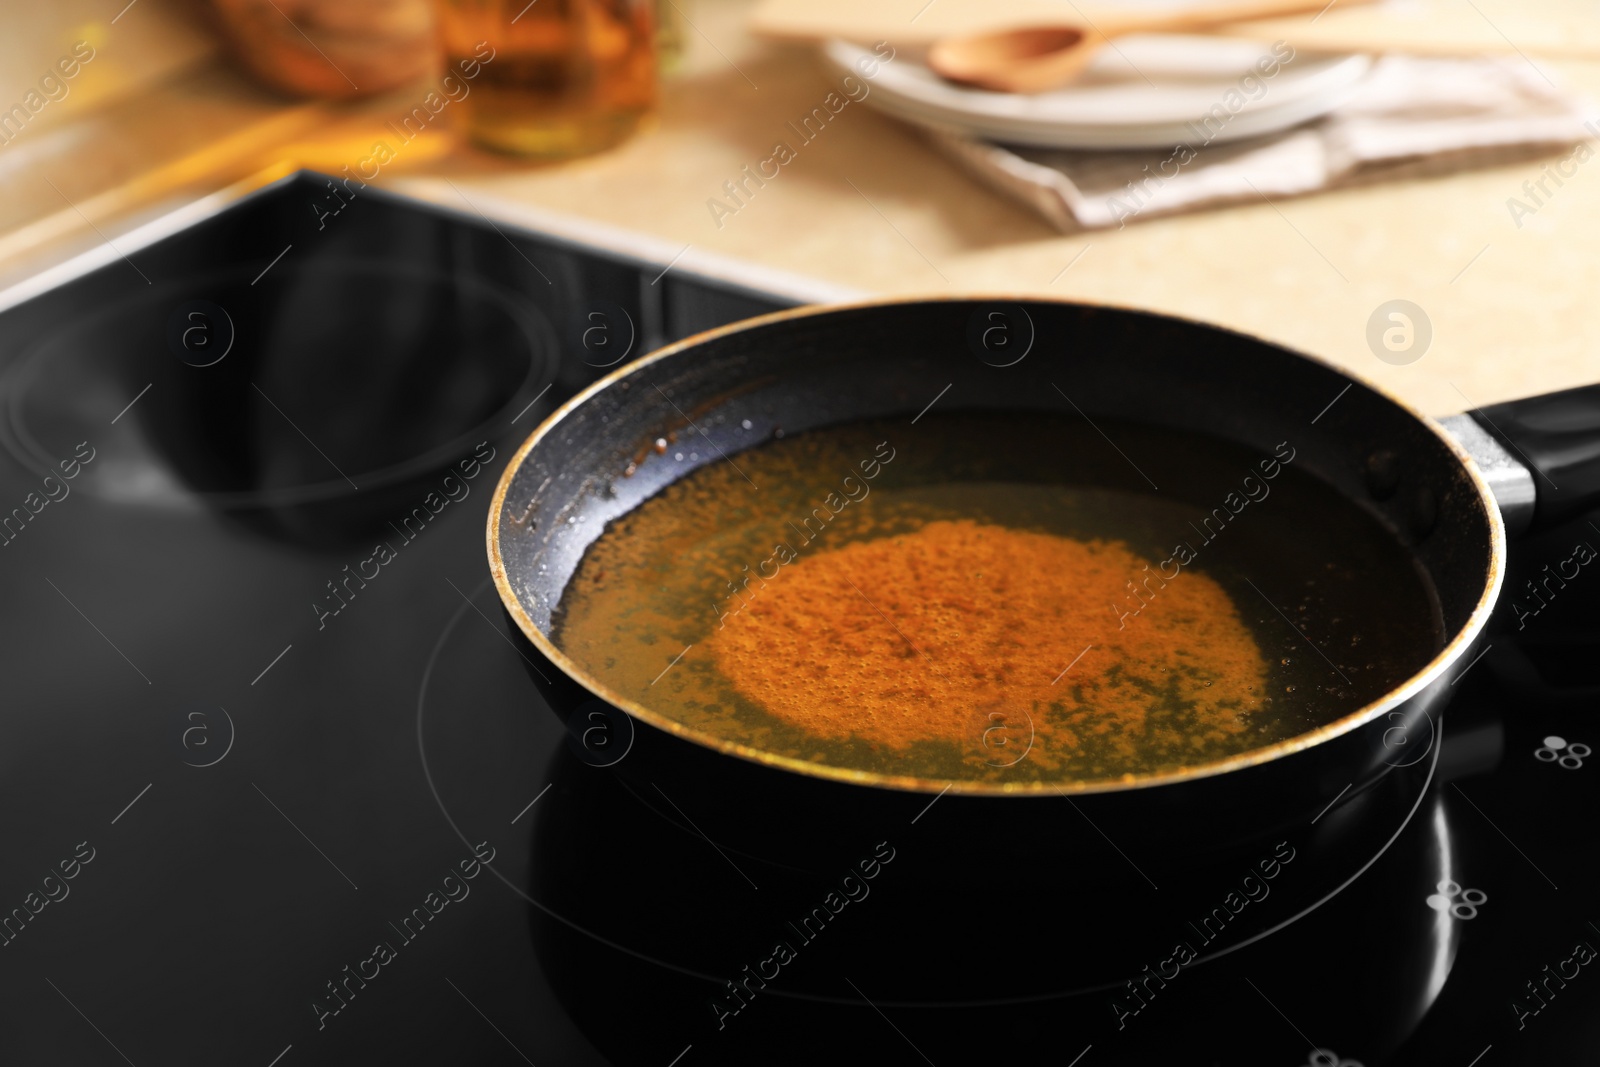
column 1442, row 662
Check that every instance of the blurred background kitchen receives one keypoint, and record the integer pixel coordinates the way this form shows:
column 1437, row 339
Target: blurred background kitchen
column 1292, row 176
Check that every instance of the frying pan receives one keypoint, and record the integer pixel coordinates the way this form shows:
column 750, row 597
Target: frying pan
column 1449, row 492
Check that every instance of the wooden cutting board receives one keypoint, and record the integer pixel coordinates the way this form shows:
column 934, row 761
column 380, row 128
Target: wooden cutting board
column 1554, row 28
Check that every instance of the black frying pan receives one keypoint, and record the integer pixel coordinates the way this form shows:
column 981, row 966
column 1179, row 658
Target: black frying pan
column 1450, row 495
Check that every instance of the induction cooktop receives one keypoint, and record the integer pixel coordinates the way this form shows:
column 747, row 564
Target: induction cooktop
column 278, row 789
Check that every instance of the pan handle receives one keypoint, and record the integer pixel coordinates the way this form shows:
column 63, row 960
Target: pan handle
column 1557, row 436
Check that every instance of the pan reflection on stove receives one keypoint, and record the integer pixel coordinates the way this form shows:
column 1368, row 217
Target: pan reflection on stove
column 975, row 953
column 976, row 945
column 315, row 402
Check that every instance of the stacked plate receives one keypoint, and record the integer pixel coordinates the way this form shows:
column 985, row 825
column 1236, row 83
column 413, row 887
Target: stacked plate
column 1147, row 91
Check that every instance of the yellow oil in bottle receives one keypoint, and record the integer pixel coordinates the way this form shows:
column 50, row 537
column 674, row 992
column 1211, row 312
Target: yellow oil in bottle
column 556, row 78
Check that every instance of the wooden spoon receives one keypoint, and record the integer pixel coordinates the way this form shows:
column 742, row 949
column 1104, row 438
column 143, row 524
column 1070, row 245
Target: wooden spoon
column 1033, row 59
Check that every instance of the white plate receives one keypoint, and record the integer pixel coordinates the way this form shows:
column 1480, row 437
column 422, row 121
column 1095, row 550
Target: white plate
column 1150, row 91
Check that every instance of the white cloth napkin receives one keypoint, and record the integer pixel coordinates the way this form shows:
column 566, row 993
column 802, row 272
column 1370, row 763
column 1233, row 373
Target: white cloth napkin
column 1410, row 115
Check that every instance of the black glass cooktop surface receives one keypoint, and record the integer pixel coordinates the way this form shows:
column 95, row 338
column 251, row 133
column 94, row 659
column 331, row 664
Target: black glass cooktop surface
column 279, row 790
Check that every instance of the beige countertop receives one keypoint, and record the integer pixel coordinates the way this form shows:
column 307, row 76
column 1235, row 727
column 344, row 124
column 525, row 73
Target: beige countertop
column 870, row 206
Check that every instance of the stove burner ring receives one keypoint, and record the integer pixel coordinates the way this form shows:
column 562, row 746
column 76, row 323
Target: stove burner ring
column 330, row 384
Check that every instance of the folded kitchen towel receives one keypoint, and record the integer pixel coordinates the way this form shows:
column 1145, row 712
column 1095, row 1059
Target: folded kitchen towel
column 1411, row 115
